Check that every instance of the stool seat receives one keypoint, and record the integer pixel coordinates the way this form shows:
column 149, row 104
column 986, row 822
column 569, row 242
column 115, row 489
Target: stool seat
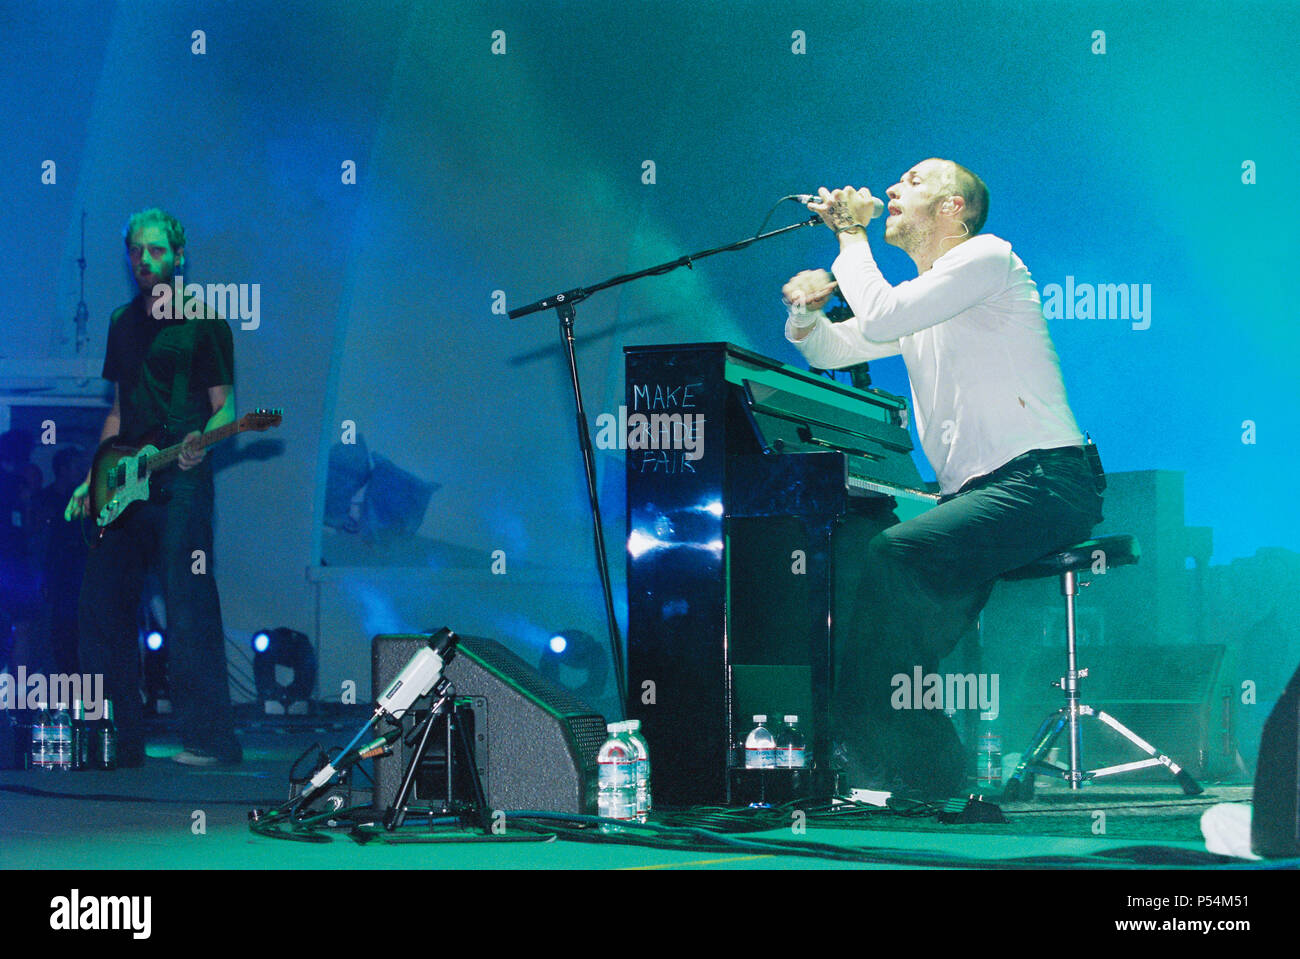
column 1115, row 550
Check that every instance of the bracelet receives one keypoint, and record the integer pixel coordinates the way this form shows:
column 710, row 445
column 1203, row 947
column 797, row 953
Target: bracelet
column 855, row 226
column 805, row 320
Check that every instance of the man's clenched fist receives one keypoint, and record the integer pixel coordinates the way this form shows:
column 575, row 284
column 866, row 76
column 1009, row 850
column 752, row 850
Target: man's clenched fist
column 809, row 290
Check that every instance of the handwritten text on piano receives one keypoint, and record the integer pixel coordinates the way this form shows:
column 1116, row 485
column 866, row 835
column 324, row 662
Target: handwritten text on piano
column 660, row 434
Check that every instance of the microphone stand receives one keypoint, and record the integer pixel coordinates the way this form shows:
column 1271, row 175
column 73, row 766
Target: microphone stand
column 564, row 304
column 83, row 314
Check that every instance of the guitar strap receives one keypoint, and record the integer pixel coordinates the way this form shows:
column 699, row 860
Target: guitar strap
column 179, row 400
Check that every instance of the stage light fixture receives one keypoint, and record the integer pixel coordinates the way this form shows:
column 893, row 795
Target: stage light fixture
column 574, row 660
column 157, row 696
column 284, row 671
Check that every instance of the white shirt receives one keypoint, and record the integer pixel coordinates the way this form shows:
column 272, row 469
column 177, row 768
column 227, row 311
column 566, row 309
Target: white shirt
column 986, row 381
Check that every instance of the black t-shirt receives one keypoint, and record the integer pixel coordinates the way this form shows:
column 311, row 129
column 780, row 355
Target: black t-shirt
column 143, row 356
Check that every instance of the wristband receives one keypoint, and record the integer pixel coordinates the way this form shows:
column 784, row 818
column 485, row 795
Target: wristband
column 855, row 226
column 804, row 320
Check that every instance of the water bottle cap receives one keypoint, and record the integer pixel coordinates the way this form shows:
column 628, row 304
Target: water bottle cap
column 612, row 727
column 791, row 719
column 760, row 719
column 633, row 724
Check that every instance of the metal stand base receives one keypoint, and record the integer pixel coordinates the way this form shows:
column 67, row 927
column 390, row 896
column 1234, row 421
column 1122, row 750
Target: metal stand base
column 1020, row 786
column 456, row 737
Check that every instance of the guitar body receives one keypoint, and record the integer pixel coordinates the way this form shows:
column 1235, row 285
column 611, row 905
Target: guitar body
column 119, row 479
column 119, row 475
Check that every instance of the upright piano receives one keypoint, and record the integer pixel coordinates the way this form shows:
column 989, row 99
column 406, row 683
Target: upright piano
column 751, row 486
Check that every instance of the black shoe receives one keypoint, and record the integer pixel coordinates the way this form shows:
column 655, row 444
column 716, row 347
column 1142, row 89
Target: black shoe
column 854, row 773
column 231, row 755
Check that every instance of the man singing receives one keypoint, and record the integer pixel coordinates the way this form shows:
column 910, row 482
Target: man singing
column 993, row 419
column 176, row 376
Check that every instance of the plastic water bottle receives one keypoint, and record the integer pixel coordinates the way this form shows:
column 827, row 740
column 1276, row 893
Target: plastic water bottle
column 39, row 755
column 58, row 744
column 616, row 763
column 791, row 747
column 643, row 801
column 14, row 747
column 80, row 737
column 760, row 746
column 988, row 761
column 103, row 748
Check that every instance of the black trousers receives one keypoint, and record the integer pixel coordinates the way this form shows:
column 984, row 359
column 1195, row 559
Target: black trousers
column 174, row 531
column 924, row 583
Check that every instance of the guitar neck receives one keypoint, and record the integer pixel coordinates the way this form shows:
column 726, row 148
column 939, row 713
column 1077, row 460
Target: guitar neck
column 172, row 453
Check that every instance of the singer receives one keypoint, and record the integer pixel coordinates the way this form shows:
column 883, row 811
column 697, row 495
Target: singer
column 994, row 422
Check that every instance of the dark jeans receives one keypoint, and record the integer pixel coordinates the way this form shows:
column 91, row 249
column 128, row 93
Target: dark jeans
column 176, row 521
column 924, row 583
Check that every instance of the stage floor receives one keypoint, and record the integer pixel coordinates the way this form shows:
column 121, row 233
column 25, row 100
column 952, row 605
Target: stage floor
column 176, row 841
column 164, row 816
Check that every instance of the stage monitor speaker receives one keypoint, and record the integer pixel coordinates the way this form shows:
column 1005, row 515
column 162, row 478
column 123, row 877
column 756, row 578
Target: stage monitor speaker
column 1275, row 821
column 535, row 744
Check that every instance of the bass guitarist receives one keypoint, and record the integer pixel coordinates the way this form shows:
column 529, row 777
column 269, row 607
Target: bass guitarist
column 173, row 378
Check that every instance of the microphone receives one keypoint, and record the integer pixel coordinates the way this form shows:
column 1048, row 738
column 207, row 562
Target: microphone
column 877, row 205
column 419, row 675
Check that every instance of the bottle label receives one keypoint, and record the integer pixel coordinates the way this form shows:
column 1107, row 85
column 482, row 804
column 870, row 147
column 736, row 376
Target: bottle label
column 989, row 760
column 793, row 757
column 40, row 751
column 617, row 798
column 760, row 757
column 617, row 775
column 616, row 807
column 59, row 747
column 107, row 750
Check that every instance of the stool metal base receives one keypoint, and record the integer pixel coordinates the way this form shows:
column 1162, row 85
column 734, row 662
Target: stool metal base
column 1020, row 785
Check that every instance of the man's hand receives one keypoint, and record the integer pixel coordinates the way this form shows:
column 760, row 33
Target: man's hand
column 77, row 506
column 809, row 290
column 192, row 453
column 841, row 210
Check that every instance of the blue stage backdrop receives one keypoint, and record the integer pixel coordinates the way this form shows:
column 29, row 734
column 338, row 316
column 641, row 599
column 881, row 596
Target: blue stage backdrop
column 392, row 176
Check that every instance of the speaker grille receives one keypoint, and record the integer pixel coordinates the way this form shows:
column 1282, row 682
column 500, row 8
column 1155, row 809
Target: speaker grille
column 535, row 743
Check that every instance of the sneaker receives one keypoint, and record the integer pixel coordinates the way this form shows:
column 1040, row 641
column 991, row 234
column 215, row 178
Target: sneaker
column 879, row 779
column 195, row 757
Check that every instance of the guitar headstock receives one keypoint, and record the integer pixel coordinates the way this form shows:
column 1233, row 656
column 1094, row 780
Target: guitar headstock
column 261, row 420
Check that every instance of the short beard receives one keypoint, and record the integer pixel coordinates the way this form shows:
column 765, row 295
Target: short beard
column 910, row 238
column 159, row 279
